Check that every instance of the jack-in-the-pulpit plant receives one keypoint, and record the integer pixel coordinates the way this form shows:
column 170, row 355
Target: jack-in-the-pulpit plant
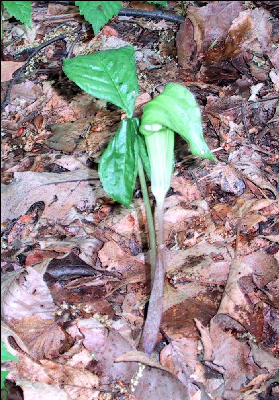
column 174, row 110
column 111, row 75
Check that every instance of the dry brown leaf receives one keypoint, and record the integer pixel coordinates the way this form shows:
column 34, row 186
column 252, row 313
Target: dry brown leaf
column 42, row 337
column 29, row 370
column 258, row 35
column 27, row 91
column 106, row 345
column 204, row 263
column 208, row 25
column 59, row 199
column 8, row 68
column 66, row 375
column 142, row 5
column 87, row 247
column 115, row 258
column 238, row 300
column 244, row 301
column 228, row 179
column 181, row 356
column 60, row 9
column 264, row 359
column 188, row 302
column 76, row 393
column 7, row 333
column 229, row 353
column 68, row 142
column 254, row 174
column 33, row 390
column 157, row 384
column 185, row 189
column 256, row 382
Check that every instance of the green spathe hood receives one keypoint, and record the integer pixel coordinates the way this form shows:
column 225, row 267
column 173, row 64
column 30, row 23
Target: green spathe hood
column 176, row 109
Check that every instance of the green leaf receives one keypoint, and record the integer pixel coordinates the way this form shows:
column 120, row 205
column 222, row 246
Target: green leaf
column 21, row 10
column 4, row 375
column 118, row 166
column 162, row 3
column 176, row 108
column 109, row 75
column 144, row 156
column 98, row 13
column 5, row 356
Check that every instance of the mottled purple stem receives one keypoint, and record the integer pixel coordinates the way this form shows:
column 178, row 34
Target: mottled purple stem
column 155, row 307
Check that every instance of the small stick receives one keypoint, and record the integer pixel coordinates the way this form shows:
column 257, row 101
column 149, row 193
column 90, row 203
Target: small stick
column 18, row 72
column 69, row 181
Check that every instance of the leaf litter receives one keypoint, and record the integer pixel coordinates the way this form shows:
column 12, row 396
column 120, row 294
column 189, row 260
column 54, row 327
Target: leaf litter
column 76, row 265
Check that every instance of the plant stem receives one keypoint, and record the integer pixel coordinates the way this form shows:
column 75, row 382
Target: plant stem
column 150, row 222
column 155, row 307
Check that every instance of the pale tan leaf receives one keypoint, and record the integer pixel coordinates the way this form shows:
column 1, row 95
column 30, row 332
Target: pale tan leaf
column 8, row 68
column 264, row 359
column 43, row 391
column 27, row 295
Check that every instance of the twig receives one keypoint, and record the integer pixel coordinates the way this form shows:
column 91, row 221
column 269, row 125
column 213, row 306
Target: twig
column 157, row 14
column 267, row 99
column 18, row 73
column 130, row 12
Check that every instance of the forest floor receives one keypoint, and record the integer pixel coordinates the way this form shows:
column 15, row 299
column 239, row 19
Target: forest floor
column 75, row 264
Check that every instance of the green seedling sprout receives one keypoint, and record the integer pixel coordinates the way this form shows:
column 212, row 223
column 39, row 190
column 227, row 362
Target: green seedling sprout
column 174, row 110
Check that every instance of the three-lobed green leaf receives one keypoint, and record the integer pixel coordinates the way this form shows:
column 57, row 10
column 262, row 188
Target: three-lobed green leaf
column 118, row 166
column 98, row 13
column 176, row 109
column 108, row 75
column 21, row 10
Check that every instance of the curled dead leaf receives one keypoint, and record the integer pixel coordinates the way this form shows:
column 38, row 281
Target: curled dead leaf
column 42, row 337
